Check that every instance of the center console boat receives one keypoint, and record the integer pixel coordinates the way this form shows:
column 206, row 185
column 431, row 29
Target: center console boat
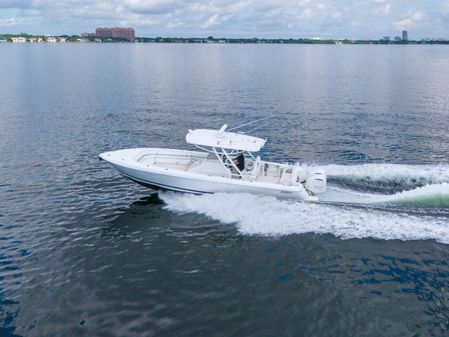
column 226, row 162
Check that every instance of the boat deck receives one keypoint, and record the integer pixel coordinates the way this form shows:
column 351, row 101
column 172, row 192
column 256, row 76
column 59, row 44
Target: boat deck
column 267, row 173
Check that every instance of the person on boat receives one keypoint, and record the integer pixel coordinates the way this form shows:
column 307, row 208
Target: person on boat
column 239, row 161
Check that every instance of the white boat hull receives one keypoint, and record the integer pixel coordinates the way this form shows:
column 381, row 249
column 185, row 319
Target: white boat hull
column 127, row 162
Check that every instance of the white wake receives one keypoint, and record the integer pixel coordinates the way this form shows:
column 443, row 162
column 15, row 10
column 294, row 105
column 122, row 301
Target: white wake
column 339, row 212
column 263, row 215
column 429, row 196
column 407, row 175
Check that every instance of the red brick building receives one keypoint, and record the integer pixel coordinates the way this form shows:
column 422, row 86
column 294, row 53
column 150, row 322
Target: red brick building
column 116, row 33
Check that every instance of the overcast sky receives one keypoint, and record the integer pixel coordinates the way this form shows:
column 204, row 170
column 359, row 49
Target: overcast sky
column 231, row 18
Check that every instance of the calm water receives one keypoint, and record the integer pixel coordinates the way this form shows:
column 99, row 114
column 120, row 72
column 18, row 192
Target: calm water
column 84, row 252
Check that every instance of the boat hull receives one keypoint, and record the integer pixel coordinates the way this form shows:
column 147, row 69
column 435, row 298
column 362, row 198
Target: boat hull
column 174, row 180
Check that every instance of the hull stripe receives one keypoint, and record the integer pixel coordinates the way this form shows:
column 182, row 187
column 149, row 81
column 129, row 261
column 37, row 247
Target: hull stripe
column 162, row 186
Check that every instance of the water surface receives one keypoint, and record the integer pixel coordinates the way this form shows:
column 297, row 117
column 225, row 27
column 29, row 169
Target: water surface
column 85, row 252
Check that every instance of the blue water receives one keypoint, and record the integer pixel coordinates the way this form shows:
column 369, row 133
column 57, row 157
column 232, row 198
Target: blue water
column 85, row 252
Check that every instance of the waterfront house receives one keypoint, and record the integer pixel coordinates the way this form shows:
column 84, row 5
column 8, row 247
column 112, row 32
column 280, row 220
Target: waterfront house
column 51, row 39
column 19, row 39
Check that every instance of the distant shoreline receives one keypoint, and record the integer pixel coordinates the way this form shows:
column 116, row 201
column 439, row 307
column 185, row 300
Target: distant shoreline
column 26, row 38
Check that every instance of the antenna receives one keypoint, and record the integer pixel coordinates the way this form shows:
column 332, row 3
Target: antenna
column 253, row 129
column 246, row 124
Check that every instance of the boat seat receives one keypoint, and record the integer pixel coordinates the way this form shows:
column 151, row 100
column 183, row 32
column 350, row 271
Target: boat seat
column 286, row 178
column 272, row 171
column 254, row 168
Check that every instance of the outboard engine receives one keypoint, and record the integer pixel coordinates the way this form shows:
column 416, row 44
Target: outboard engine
column 316, row 181
column 298, row 175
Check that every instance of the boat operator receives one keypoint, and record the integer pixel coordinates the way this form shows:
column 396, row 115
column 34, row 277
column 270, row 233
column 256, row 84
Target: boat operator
column 239, row 161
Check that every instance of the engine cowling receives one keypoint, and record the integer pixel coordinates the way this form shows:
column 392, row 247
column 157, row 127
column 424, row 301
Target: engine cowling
column 316, row 181
column 298, row 175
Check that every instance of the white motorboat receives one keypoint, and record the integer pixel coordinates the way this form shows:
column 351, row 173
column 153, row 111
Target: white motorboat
column 226, row 163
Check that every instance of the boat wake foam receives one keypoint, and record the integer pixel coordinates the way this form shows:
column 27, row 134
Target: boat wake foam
column 386, row 178
column 429, row 196
column 343, row 212
column 264, row 215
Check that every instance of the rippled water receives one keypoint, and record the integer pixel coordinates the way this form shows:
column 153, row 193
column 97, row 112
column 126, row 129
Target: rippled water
column 86, row 252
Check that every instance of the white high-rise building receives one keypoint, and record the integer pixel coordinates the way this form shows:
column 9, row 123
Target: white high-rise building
column 404, row 35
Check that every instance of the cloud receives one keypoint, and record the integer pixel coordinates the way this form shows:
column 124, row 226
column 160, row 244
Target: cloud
column 8, row 22
column 384, row 10
column 410, row 20
column 264, row 18
column 15, row 3
column 153, row 7
column 213, row 20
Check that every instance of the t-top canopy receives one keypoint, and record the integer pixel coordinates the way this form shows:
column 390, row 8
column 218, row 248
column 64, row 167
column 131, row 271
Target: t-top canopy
column 226, row 140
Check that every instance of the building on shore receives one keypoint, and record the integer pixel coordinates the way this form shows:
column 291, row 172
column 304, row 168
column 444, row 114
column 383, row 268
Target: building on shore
column 88, row 35
column 404, row 35
column 116, row 33
column 19, row 39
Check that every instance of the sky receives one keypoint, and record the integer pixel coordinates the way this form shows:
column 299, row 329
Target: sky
column 353, row 19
